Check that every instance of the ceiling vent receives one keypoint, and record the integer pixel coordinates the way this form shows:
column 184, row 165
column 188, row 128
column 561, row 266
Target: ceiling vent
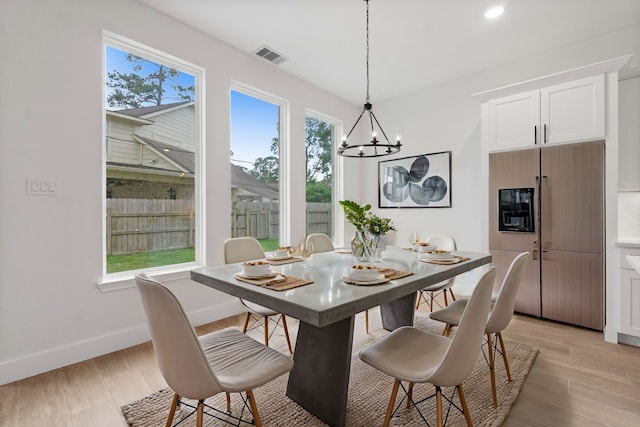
column 265, row 52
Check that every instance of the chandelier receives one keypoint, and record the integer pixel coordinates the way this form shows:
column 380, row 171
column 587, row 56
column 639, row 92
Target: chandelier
column 376, row 147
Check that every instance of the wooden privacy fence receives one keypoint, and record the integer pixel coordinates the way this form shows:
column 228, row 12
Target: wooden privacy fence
column 262, row 219
column 145, row 225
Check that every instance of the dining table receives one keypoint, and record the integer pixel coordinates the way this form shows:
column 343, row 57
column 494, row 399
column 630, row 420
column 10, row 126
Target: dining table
column 326, row 308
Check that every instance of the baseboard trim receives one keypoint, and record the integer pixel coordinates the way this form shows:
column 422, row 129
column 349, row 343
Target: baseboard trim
column 54, row 358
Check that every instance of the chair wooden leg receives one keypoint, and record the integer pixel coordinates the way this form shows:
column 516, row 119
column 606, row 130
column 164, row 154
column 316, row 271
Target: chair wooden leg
column 439, row 411
column 366, row 321
column 228, row 402
column 409, row 395
column 286, row 332
column 504, row 356
column 172, row 411
column 392, row 402
column 447, row 330
column 200, row 413
column 420, row 292
column 431, row 301
column 254, row 408
column 492, row 371
column 446, row 301
column 463, row 403
column 453, row 297
column 246, row 322
column 266, row 330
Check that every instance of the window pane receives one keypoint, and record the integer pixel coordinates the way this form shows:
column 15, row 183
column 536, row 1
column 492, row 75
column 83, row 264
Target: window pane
column 319, row 194
column 255, row 169
column 150, row 163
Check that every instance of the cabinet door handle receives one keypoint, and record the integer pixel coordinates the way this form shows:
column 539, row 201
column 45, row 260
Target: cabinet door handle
column 545, row 133
column 535, row 135
column 534, row 250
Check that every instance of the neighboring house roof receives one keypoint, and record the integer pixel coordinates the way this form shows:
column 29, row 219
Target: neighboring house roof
column 241, row 179
column 145, row 111
column 182, row 158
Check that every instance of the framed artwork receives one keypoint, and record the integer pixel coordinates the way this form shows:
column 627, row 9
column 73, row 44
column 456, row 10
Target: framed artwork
column 415, row 182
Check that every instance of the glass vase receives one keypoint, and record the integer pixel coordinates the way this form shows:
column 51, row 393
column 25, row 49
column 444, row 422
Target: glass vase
column 364, row 246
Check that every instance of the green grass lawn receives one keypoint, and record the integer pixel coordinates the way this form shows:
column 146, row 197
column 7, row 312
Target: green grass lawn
column 140, row 260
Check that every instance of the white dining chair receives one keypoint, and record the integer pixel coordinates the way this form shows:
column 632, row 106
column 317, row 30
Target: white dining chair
column 197, row 368
column 415, row 356
column 498, row 320
column 241, row 249
column 446, row 243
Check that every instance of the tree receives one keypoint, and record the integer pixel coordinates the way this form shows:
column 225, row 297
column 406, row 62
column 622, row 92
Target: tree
column 135, row 89
column 266, row 169
column 319, row 150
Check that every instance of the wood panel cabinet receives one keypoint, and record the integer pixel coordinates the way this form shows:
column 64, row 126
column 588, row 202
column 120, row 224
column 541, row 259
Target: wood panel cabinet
column 573, row 111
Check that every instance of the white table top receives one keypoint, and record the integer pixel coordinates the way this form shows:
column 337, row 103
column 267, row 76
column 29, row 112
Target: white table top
column 329, row 299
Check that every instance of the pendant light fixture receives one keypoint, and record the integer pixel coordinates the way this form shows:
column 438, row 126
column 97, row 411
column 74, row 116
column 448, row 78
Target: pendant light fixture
column 376, row 147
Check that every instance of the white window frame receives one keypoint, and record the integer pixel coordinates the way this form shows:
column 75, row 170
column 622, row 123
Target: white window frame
column 337, row 189
column 284, row 150
column 125, row 279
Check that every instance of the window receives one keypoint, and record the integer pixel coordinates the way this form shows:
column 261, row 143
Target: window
column 255, row 166
column 319, row 136
column 152, row 150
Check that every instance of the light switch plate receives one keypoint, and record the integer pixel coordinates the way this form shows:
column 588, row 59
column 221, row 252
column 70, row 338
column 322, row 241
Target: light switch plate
column 42, row 187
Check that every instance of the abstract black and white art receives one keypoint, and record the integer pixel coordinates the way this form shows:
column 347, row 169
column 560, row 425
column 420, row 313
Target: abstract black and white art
column 415, row 182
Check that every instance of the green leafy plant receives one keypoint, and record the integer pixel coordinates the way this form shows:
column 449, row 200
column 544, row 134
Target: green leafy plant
column 363, row 219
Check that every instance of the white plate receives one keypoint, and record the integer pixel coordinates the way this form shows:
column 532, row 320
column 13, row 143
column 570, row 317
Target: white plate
column 366, row 278
column 425, row 248
column 279, row 258
column 270, row 275
column 346, row 279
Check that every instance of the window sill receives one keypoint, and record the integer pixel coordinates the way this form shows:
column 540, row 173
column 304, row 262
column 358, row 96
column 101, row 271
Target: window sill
column 126, row 280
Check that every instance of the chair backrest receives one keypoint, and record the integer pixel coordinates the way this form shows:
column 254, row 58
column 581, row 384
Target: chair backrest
column 240, row 249
column 446, row 243
column 321, row 242
column 464, row 349
column 178, row 351
column 506, row 300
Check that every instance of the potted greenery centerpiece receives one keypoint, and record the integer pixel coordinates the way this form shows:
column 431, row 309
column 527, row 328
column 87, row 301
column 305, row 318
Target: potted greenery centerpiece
column 369, row 229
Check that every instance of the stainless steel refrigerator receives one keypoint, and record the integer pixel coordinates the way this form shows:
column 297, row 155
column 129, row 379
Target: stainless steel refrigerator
column 549, row 201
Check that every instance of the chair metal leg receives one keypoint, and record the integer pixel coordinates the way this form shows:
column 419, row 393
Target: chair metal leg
column 286, row 332
column 246, row 323
column 439, row 411
column 172, row 411
column 463, row 403
column 266, row 330
column 504, row 356
column 392, row 402
column 200, row 413
column 492, row 371
column 366, row 320
column 254, row 408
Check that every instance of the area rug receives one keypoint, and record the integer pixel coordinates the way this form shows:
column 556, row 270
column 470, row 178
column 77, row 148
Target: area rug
column 369, row 391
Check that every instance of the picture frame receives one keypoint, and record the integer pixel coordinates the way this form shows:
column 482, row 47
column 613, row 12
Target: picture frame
column 422, row 181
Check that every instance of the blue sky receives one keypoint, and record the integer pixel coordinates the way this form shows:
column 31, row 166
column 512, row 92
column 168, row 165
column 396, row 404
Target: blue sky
column 254, row 123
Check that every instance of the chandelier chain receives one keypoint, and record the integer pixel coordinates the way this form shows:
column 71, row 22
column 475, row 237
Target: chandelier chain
column 368, row 99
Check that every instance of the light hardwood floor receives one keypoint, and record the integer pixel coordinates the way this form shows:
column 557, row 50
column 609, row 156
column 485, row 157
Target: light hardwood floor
column 576, row 380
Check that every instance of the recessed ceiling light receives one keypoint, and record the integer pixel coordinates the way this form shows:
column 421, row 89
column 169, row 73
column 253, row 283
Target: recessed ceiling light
column 494, row 12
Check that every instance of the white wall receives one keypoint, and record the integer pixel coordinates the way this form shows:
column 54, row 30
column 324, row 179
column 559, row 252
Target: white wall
column 51, row 311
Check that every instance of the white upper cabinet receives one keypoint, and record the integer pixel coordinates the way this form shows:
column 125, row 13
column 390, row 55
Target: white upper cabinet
column 573, row 111
column 629, row 137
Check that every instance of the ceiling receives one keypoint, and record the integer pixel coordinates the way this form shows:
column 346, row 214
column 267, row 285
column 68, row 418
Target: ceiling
column 413, row 43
